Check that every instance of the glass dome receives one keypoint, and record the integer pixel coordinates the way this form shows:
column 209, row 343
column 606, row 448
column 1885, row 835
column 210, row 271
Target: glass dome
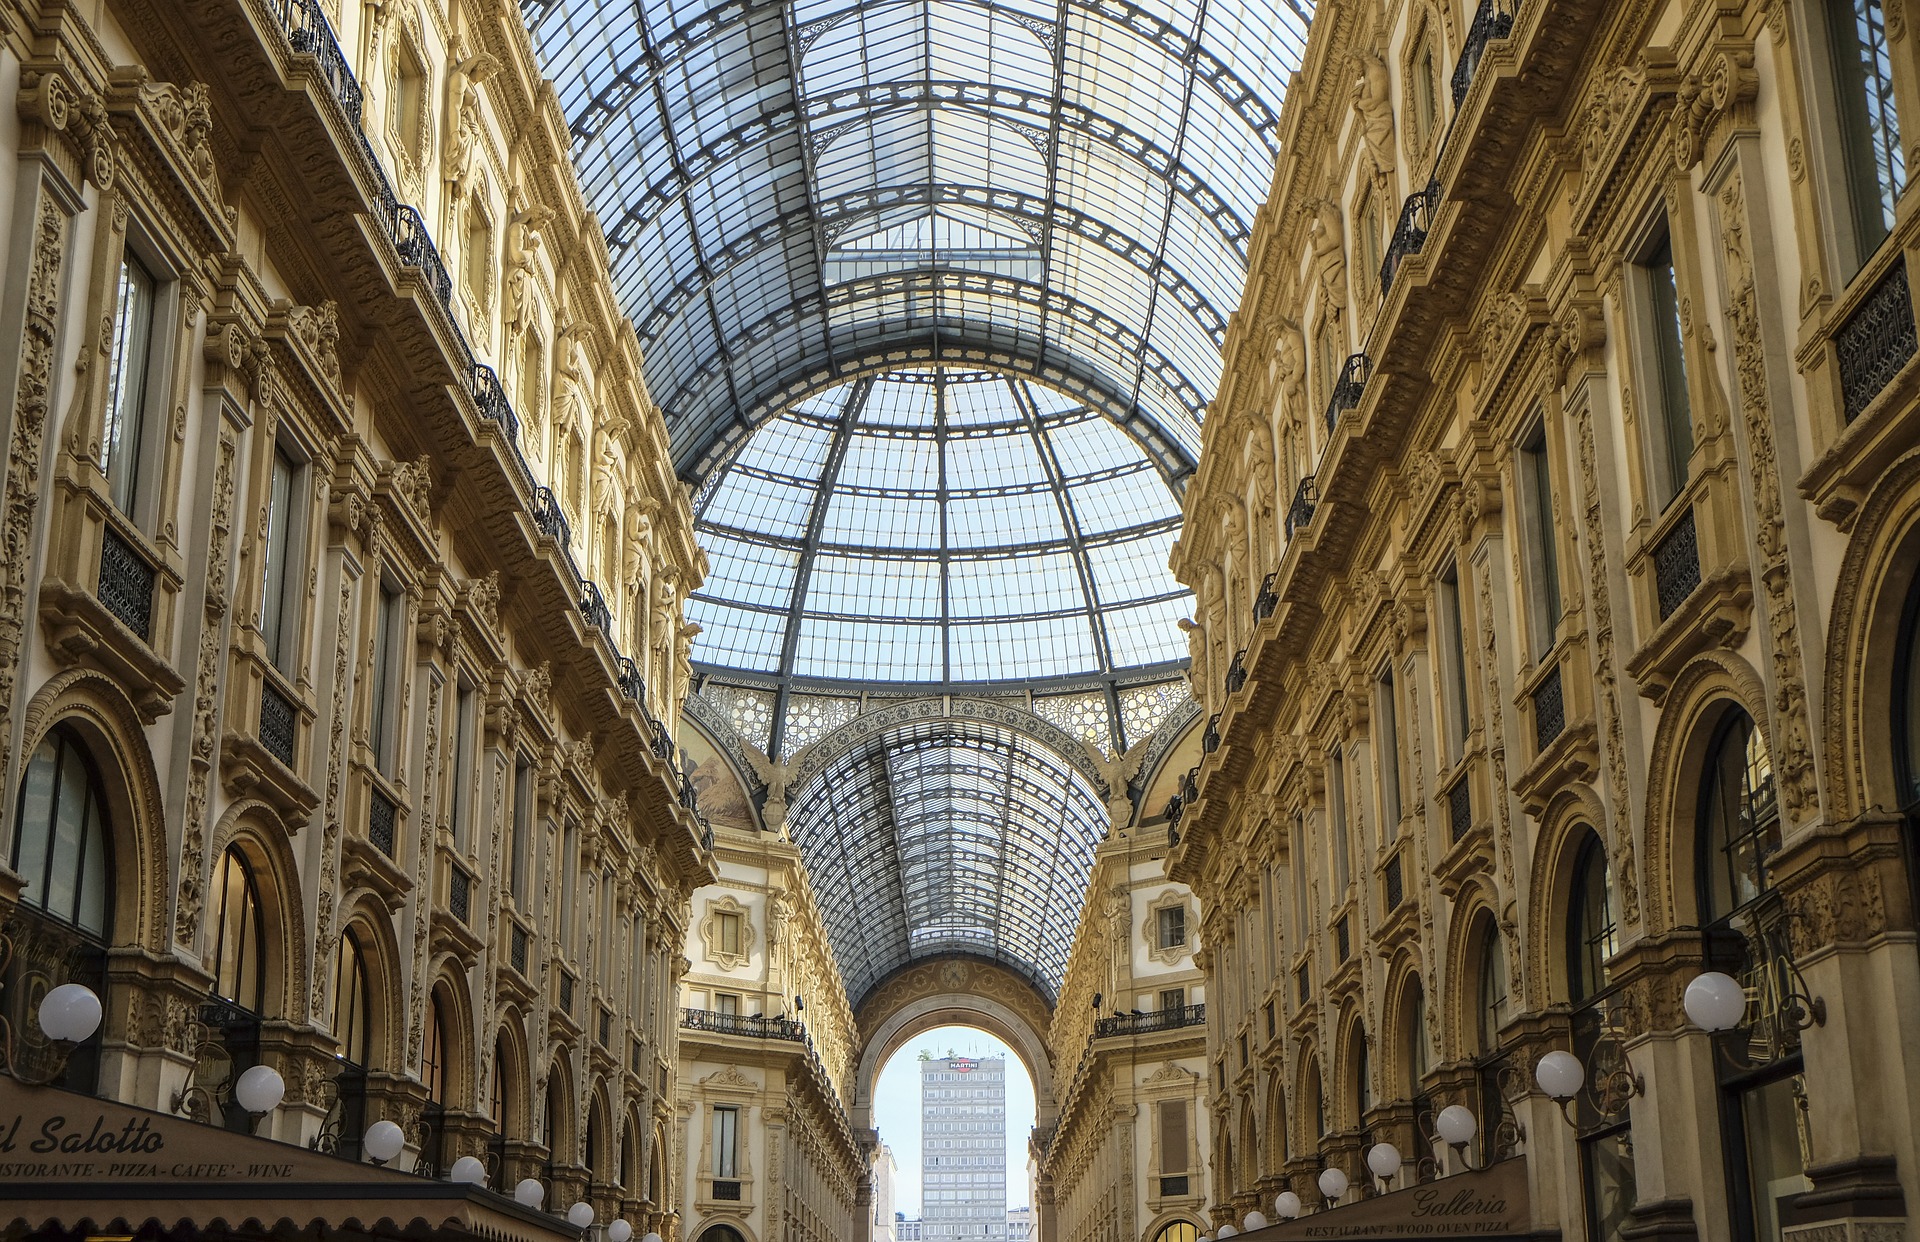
column 939, row 527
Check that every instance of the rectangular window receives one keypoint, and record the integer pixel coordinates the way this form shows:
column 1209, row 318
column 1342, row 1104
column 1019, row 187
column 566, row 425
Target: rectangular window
column 1337, row 824
column 1672, row 419
column 603, row 928
column 1173, row 1136
column 1387, row 734
column 1173, row 998
column 282, row 563
column 727, row 1003
column 569, row 869
column 386, row 637
column 128, row 360
column 1454, row 621
column 1172, row 922
column 726, row 1141
column 464, row 727
column 1874, row 165
column 522, row 845
column 1298, row 861
column 1543, row 556
column 1426, row 102
column 729, row 933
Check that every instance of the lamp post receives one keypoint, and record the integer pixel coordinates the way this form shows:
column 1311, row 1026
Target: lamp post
column 1286, row 1205
column 1333, row 1184
column 68, row 1015
column 1383, row 1161
column 383, row 1141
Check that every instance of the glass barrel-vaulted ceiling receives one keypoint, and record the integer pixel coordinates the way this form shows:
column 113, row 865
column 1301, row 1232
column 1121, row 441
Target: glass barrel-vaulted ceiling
column 948, row 836
column 793, row 190
column 939, row 526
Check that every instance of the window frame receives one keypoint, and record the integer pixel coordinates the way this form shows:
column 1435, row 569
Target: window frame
column 134, row 493
column 1386, row 733
column 1546, row 597
column 96, row 826
column 726, row 1142
column 1660, row 360
column 249, row 924
column 1455, row 683
column 283, row 560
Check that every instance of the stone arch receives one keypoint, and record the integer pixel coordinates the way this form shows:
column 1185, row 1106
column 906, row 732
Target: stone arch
column 1352, row 1065
column 1247, row 1149
column 1878, row 572
column 1575, row 811
column 100, row 713
column 510, row 1066
column 632, row 1159
column 559, row 1111
column 1473, row 913
column 1311, row 1099
column 601, row 1153
column 953, row 991
column 1695, row 706
column 1404, row 1025
column 366, row 915
column 1277, row 1137
column 450, row 988
column 253, row 828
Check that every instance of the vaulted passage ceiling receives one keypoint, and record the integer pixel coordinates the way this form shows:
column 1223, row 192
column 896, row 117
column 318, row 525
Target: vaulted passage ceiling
column 794, row 189
column 932, row 294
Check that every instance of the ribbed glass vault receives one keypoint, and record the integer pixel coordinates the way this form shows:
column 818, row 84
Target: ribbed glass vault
column 794, row 190
column 939, row 526
column 943, row 837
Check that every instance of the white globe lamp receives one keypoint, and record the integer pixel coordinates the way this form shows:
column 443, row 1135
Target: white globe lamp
column 70, row 1012
column 1456, row 1125
column 1226, row 1231
column 1560, row 1074
column 580, row 1215
column 652, row 1237
column 1256, row 1219
column 1287, row 1205
column 1333, row 1183
column 468, row 1169
column 530, row 1193
column 260, row 1089
column 383, row 1141
column 619, row 1231
column 1714, row 1001
column 1384, row 1160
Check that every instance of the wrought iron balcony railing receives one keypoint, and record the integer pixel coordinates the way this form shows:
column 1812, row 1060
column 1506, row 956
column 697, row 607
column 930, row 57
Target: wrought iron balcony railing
column 1416, row 220
column 1876, row 341
column 1300, row 512
column 1549, row 710
column 1147, row 1022
column 756, row 1025
column 126, row 583
column 1349, row 388
column 277, row 720
column 593, row 607
column 491, row 398
column 1676, row 564
column 1237, row 671
column 1492, row 20
column 1266, row 601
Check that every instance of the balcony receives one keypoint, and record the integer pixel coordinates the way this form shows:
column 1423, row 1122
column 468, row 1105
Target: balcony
column 1351, row 386
column 1300, row 512
column 754, row 1025
column 1876, row 342
column 1492, row 20
column 1138, row 1023
column 1266, row 601
column 1416, row 219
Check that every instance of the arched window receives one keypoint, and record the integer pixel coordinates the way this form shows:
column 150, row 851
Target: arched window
column 1177, row 1231
column 352, row 1004
column 1414, row 1035
column 1492, row 1000
column 722, row 1233
column 1739, row 821
column 60, row 842
column 556, row 1109
column 1591, row 936
column 240, row 933
column 1906, row 704
column 433, row 1062
column 1362, row 1097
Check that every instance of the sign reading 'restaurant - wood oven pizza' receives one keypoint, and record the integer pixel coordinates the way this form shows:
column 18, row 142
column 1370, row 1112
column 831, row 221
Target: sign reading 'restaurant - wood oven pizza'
column 49, row 1135
column 1490, row 1205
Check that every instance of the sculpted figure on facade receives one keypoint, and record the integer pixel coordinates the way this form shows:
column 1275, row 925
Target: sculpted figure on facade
column 1373, row 100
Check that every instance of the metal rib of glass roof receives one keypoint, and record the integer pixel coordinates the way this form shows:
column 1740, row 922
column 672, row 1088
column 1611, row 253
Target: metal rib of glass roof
column 797, row 191
column 939, row 526
column 947, row 836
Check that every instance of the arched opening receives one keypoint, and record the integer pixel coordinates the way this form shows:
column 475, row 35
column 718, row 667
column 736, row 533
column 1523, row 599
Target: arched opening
column 235, row 1010
column 353, row 1031
column 956, row 1107
column 721, row 1233
column 1313, row 1104
column 1590, row 939
column 434, row 1075
column 1762, row 1088
column 63, row 923
column 599, row 1172
column 1178, row 1231
column 1906, row 727
column 1491, row 1008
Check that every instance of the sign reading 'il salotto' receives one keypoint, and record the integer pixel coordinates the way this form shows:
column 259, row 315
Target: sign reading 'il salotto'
column 49, row 1135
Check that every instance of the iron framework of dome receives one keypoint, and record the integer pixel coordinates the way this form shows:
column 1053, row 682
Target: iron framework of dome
column 939, row 527
column 796, row 191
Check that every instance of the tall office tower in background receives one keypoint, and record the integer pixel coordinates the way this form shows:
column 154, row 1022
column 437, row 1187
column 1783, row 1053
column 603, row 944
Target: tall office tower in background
column 963, row 1145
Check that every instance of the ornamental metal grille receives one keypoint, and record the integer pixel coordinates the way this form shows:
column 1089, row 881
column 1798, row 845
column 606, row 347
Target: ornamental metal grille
column 1492, row 20
column 728, row 1192
column 126, row 583
column 1300, row 512
column 459, row 893
column 491, row 399
column 759, row 1026
column 1395, row 889
column 1266, row 601
column 277, row 718
column 381, row 814
column 606, row 1027
column 1349, row 388
column 1142, row 708
column 1150, row 1021
column 636, row 1056
column 1876, row 341
column 548, row 517
column 1237, row 671
column 1460, row 808
column 1303, row 984
column 1342, row 939
column 1676, row 564
column 416, row 249
column 1173, row 1187
column 566, row 992
column 1210, row 740
column 1083, row 715
column 309, row 32
column 517, row 948
column 1549, row 710
column 1410, row 234
column 593, row 608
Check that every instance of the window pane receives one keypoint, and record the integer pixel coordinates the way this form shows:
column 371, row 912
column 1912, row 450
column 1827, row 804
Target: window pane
column 1870, row 123
column 34, row 835
column 1670, row 381
column 127, row 382
column 273, row 600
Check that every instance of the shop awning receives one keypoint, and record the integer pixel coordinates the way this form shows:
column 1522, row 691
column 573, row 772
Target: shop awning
column 75, row 1166
column 1485, row 1206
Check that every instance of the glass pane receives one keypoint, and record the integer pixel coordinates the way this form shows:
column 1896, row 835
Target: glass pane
column 34, row 840
column 127, row 382
column 1606, row 1165
column 1774, row 1117
column 69, row 836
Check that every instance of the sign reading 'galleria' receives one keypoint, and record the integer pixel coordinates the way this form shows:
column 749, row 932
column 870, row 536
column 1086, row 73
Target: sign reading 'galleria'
column 1490, row 1204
